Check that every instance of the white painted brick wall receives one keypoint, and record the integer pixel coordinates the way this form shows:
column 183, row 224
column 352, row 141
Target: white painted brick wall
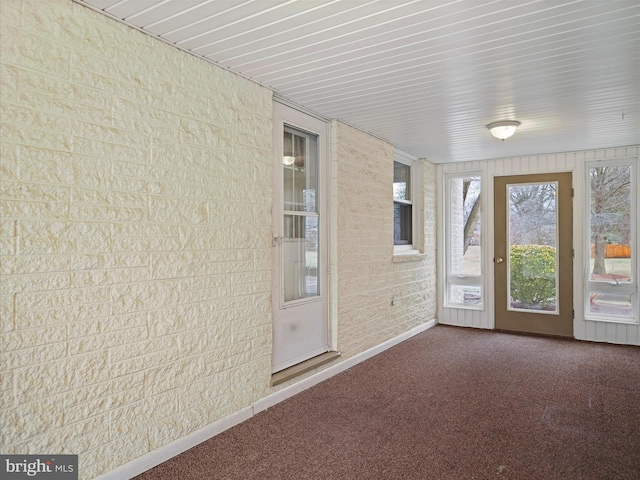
column 135, row 236
column 135, row 239
column 367, row 276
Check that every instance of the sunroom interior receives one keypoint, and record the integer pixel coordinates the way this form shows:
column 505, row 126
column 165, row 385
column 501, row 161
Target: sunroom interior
column 186, row 183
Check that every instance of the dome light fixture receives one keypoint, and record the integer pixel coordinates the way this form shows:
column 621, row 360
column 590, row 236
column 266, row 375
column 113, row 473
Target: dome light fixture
column 503, row 129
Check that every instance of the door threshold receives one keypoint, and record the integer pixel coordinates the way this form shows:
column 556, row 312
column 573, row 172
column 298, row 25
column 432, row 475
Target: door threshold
column 535, row 334
column 296, row 370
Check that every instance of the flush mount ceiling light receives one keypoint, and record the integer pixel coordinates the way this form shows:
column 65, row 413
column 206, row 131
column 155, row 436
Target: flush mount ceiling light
column 503, row 129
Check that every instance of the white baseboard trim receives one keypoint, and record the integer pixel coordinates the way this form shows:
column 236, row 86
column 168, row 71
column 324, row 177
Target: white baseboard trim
column 162, row 454
column 170, row 450
column 323, row 375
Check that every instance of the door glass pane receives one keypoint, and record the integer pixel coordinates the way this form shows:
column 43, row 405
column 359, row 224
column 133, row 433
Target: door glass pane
column 300, row 220
column 300, row 257
column 532, row 234
column 300, row 170
column 610, row 259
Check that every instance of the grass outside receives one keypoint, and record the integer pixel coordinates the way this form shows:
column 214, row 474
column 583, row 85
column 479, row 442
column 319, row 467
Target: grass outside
column 472, row 260
column 620, row 268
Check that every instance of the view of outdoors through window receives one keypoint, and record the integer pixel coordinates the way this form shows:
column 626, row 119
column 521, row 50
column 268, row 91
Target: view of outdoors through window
column 402, row 206
column 532, row 241
column 464, row 246
column 532, row 237
column 610, row 247
column 300, row 221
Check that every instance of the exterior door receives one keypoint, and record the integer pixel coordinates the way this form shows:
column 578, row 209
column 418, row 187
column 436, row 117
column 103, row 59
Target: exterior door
column 299, row 298
column 533, row 259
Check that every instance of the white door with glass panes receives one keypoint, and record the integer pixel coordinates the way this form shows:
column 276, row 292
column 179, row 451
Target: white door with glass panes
column 299, row 299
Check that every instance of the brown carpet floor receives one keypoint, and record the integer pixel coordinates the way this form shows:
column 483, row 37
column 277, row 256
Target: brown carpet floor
column 449, row 403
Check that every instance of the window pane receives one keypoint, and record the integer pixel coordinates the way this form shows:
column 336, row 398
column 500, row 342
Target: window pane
column 610, row 304
column 401, row 181
column 401, row 224
column 465, row 294
column 610, row 220
column 464, row 226
column 532, row 264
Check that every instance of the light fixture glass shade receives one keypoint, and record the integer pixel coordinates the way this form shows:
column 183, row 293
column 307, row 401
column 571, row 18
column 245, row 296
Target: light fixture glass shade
column 288, row 160
column 503, row 129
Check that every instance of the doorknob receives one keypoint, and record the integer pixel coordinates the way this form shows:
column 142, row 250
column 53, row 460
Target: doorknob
column 499, row 260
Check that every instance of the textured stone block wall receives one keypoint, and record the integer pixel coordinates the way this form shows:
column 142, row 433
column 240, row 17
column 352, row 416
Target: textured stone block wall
column 368, row 278
column 135, row 238
column 428, row 271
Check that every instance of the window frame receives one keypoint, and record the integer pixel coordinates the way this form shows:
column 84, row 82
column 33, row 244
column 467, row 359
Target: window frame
column 455, row 279
column 415, row 196
column 596, row 287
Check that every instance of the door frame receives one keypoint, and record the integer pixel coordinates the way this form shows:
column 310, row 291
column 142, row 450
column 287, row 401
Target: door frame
column 560, row 324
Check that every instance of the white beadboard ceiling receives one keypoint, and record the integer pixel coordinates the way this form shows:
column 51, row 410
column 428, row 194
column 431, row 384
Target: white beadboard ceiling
column 428, row 75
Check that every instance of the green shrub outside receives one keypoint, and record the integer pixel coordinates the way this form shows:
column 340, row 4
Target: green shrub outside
column 533, row 279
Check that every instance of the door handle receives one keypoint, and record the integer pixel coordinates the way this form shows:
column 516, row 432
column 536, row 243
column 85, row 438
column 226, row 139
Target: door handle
column 498, row 260
column 278, row 240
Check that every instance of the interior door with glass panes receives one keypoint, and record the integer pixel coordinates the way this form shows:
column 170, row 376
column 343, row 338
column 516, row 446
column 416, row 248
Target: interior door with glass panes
column 300, row 313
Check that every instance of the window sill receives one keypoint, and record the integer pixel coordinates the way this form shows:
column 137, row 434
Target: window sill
column 410, row 256
column 619, row 321
column 462, row 306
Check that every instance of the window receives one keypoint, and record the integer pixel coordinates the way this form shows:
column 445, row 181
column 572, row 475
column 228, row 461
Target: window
column 402, row 206
column 611, row 256
column 406, row 204
column 463, row 232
